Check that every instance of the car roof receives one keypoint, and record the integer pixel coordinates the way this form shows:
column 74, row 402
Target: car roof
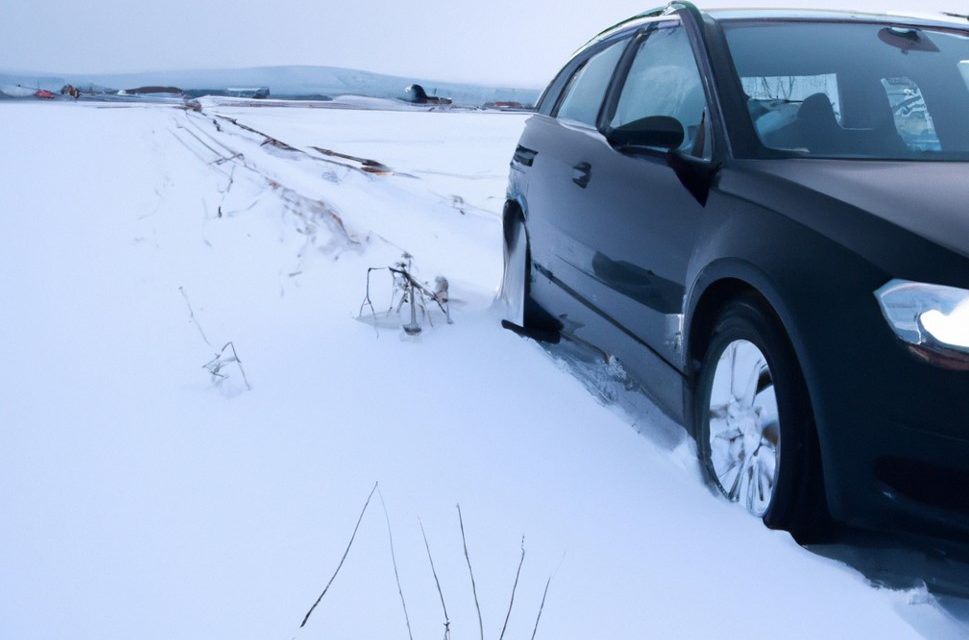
column 821, row 15
column 829, row 15
column 668, row 11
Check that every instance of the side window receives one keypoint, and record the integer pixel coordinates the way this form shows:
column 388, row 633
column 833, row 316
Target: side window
column 664, row 81
column 587, row 88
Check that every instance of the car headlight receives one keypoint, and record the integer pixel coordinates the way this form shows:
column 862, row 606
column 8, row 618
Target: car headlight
column 932, row 318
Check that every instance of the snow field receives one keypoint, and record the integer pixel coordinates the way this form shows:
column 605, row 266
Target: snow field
column 141, row 500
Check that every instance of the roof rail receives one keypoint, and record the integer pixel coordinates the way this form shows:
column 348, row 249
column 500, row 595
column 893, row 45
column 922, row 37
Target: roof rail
column 669, row 8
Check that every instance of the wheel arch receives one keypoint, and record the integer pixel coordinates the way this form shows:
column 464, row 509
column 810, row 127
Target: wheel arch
column 716, row 286
column 514, row 208
column 512, row 213
column 721, row 282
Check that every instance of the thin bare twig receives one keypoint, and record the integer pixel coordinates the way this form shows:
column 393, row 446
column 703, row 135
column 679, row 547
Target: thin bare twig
column 513, row 589
column 200, row 141
column 235, row 355
column 426, row 293
column 228, row 187
column 541, row 607
column 474, row 588
column 343, row 559
column 366, row 300
column 216, row 364
column 393, row 558
column 191, row 315
column 447, row 618
column 411, row 291
column 333, row 219
column 229, row 159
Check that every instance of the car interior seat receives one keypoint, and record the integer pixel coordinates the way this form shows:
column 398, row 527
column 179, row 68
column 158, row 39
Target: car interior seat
column 818, row 126
column 820, row 132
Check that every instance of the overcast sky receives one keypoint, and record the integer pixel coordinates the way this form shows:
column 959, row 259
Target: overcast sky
column 512, row 42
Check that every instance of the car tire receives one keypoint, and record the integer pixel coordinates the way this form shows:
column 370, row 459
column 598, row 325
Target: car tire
column 754, row 424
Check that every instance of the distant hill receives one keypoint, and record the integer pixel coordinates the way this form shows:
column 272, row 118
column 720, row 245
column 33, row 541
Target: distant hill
column 283, row 82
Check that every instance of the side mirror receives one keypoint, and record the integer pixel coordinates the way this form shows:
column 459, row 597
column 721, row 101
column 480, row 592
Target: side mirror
column 655, row 132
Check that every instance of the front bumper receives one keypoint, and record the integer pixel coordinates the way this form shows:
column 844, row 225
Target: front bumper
column 894, row 433
column 924, row 482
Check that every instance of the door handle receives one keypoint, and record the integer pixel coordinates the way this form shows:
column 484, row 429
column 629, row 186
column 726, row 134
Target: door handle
column 582, row 174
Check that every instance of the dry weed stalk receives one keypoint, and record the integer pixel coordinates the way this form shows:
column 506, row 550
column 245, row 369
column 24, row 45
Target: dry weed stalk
column 437, row 582
column 346, row 552
column 514, row 588
column 219, row 362
column 541, row 607
column 393, row 558
column 474, row 587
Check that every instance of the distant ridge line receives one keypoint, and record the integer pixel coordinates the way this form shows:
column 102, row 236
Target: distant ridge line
column 282, row 81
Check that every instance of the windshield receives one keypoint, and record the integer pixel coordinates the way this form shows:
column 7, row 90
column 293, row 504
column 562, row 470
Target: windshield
column 843, row 90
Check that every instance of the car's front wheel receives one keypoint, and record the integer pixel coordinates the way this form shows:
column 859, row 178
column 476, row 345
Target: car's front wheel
column 755, row 428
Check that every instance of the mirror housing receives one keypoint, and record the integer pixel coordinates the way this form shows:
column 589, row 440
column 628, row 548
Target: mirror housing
column 654, row 132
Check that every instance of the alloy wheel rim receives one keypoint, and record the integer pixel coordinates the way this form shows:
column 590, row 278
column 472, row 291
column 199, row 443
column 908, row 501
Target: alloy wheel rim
column 744, row 427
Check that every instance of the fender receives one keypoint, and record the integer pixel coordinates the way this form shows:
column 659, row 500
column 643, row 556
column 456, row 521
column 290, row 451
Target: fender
column 745, row 272
column 812, row 286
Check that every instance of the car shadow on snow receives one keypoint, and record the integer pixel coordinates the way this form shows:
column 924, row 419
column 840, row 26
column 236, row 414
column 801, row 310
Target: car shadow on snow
column 605, row 378
column 940, row 570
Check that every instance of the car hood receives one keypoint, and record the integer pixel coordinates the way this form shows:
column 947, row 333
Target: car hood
column 930, row 199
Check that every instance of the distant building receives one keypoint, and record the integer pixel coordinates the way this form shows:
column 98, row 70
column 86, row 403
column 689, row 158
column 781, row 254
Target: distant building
column 255, row 93
column 507, row 105
column 158, row 92
column 415, row 94
column 20, row 91
column 258, row 93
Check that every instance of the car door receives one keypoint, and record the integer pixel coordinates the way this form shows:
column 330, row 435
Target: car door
column 551, row 154
column 631, row 249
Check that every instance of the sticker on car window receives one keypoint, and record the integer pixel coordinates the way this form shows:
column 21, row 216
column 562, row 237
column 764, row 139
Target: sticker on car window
column 912, row 117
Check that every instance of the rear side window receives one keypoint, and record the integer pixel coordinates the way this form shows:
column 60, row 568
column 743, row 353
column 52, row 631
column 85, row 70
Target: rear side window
column 664, row 80
column 587, row 88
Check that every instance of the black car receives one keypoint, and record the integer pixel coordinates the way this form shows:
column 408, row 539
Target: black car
column 764, row 216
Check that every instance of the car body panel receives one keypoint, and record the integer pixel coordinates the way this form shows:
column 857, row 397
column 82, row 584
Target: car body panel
column 930, row 202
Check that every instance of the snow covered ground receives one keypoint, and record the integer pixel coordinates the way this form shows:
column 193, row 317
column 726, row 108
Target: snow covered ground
column 140, row 499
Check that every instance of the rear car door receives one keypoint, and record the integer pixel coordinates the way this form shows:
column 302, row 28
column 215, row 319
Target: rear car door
column 553, row 155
